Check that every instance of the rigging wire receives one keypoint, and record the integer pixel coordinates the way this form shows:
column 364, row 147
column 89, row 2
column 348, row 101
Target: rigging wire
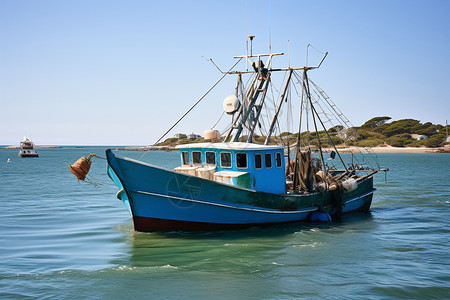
column 322, row 100
column 288, row 94
column 334, row 110
column 227, row 128
column 290, row 117
column 220, row 118
column 316, row 49
column 193, row 106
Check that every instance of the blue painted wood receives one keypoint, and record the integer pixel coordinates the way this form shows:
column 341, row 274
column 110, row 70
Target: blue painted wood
column 270, row 179
column 159, row 199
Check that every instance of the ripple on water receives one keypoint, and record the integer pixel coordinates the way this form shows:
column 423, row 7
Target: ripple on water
column 63, row 239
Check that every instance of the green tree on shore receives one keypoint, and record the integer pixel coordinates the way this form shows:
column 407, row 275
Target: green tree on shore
column 374, row 132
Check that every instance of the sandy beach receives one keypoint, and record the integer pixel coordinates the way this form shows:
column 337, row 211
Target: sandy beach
column 390, row 149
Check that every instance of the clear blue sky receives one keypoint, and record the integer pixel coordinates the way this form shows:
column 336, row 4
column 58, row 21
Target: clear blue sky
column 121, row 72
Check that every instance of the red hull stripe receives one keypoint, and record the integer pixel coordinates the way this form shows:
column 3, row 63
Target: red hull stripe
column 145, row 224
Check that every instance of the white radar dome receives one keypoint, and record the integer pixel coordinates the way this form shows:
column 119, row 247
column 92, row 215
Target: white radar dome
column 231, row 104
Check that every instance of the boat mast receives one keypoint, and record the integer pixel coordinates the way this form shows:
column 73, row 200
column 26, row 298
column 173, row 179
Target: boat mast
column 308, row 95
column 296, row 179
column 245, row 111
column 315, row 114
column 272, row 125
column 259, row 107
column 314, row 111
column 260, row 84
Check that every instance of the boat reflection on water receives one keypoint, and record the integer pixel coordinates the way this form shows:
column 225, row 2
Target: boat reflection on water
column 237, row 251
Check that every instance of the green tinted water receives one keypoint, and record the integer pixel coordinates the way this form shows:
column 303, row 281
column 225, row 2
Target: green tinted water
column 63, row 239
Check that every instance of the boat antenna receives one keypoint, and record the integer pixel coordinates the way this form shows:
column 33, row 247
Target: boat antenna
column 251, row 44
column 307, row 47
column 270, row 38
column 246, row 37
column 289, row 54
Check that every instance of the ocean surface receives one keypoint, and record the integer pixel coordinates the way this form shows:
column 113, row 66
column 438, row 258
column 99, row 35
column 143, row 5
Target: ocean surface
column 63, row 239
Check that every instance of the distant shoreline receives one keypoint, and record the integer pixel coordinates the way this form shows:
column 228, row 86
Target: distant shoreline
column 36, row 147
column 386, row 149
column 147, row 148
column 124, row 148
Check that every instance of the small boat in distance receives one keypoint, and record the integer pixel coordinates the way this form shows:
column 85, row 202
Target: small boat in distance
column 27, row 148
column 245, row 180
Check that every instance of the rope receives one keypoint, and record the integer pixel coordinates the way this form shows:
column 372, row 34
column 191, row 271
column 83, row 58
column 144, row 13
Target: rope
column 95, row 155
column 316, row 49
column 94, row 181
column 199, row 100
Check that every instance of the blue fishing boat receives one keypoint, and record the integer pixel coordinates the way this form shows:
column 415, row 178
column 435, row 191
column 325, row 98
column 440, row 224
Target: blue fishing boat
column 229, row 181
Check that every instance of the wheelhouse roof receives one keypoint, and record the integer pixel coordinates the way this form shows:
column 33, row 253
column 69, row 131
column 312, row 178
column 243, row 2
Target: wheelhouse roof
column 232, row 146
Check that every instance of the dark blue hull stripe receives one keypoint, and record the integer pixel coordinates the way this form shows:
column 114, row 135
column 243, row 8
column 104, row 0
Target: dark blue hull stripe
column 310, row 209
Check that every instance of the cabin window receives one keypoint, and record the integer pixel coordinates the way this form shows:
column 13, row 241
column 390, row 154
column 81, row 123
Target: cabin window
column 278, row 160
column 196, row 157
column 210, row 158
column 258, row 161
column 225, row 159
column 185, row 157
column 268, row 160
column 241, row 160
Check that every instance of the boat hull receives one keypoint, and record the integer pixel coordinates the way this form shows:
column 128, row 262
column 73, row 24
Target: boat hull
column 161, row 199
column 29, row 155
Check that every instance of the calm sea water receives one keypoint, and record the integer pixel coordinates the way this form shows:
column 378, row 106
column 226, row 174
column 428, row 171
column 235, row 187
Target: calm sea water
column 63, row 239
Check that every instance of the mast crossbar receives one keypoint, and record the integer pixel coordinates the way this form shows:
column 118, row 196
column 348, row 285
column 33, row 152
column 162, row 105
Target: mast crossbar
column 258, row 55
